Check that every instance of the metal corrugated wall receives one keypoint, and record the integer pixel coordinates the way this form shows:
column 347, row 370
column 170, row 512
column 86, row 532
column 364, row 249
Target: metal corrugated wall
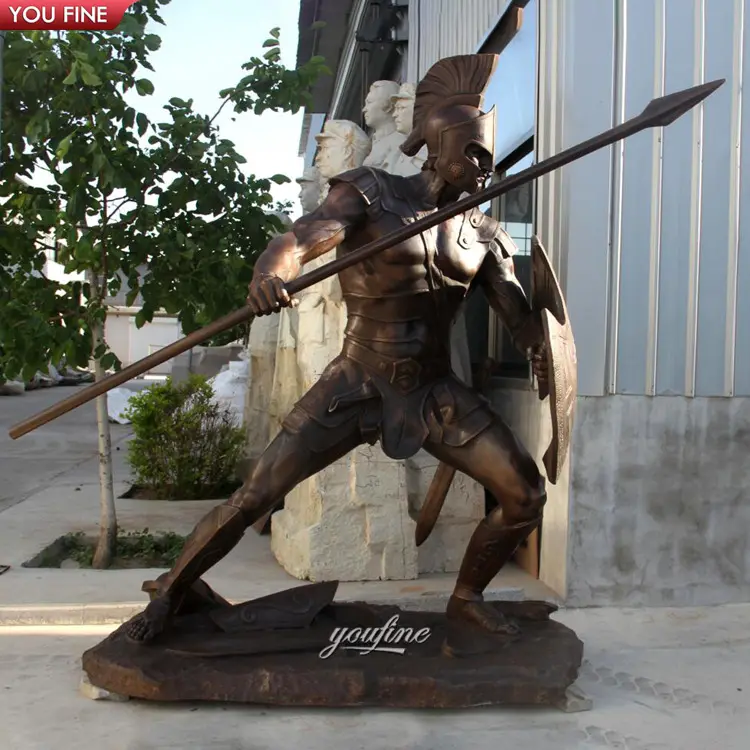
column 441, row 28
column 653, row 233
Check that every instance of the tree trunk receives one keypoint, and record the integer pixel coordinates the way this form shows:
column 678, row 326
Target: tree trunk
column 105, row 548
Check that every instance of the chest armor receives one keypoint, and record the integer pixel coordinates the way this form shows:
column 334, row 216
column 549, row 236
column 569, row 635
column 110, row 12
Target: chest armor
column 443, row 260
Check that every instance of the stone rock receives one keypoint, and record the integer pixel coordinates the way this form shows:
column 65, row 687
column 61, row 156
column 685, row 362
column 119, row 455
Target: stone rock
column 575, row 701
column 88, row 690
column 70, row 564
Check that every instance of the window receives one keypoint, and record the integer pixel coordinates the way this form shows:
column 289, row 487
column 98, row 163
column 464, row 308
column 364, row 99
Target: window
column 486, row 333
column 512, row 92
column 514, row 211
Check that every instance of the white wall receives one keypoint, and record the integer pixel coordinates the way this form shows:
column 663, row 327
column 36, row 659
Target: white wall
column 130, row 343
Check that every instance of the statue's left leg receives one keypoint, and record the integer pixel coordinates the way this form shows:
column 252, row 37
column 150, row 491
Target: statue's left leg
column 497, row 460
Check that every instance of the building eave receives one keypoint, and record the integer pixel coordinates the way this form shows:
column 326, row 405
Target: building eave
column 327, row 42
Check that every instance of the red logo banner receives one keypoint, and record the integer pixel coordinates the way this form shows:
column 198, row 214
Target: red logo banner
column 62, row 15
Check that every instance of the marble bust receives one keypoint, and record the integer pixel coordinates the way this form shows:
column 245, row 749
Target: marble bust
column 379, row 117
column 342, row 145
column 403, row 114
column 310, row 188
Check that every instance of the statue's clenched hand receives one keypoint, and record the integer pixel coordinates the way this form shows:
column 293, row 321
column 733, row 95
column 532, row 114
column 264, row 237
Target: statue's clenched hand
column 538, row 357
column 267, row 295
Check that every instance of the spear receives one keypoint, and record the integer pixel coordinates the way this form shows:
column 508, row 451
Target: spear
column 659, row 112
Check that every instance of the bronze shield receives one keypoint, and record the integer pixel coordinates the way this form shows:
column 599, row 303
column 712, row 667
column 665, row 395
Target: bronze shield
column 562, row 387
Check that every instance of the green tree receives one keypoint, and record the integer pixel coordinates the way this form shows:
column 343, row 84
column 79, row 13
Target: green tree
column 122, row 193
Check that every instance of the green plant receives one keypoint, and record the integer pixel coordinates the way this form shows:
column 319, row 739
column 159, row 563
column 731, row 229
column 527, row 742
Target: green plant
column 164, row 547
column 184, row 446
column 161, row 548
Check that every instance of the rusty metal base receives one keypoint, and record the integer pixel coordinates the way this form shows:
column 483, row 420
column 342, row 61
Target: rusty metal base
column 456, row 667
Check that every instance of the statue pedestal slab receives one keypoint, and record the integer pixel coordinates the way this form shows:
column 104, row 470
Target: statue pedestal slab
column 272, row 651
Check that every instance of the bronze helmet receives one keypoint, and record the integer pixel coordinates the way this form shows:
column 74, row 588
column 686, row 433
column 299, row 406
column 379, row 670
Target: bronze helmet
column 448, row 119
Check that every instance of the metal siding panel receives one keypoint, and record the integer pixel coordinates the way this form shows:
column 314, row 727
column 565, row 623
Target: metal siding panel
column 587, row 183
column 643, row 80
column 730, row 331
column 674, row 276
column 616, row 193
column 696, row 194
column 718, row 208
column 452, row 27
column 742, row 333
column 657, row 173
column 548, row 136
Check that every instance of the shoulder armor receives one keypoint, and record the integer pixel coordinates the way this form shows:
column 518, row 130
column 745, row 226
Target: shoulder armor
column 478, row 227
column 504, row 241
column 363, row 179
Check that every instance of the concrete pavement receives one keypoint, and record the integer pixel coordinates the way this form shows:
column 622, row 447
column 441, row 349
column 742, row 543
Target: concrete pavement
column 51, row 453
column 660, row 680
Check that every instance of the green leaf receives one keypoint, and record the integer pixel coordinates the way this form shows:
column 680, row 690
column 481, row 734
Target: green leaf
column 64, row 147
column 152, row 42
column 72, row 77
column 280, row 179
column 130, row 26
column 272, row 54
column 275, row 32
column 131, row 296
column 144, row 87
column 89, row 76
column 175, row 101
column 224, row 147
column 271, row 43
column 142, row 121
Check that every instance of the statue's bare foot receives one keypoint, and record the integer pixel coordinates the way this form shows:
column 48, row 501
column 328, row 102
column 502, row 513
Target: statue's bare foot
column 152, row 621
column 482, row 615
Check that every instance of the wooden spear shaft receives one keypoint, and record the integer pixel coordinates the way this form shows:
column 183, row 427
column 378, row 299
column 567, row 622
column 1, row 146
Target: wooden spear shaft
column 659, row 112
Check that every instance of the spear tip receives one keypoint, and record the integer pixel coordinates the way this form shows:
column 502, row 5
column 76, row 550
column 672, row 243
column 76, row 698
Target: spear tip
column 666, row 109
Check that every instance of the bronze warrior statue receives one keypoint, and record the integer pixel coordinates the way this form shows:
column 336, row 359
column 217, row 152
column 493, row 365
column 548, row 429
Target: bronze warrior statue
column 392, row 381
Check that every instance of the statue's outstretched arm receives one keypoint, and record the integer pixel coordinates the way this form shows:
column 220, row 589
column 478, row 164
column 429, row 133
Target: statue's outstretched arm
column 311, row 236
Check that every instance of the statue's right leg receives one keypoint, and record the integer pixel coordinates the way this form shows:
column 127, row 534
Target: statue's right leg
column 301, row 449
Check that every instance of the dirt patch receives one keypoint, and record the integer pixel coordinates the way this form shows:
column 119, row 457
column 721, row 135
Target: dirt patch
column 135, row 549
column 139, row 492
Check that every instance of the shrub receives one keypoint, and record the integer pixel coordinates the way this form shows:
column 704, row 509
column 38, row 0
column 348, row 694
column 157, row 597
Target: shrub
column 184, row 445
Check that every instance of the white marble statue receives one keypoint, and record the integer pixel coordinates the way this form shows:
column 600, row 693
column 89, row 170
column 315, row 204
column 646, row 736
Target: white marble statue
column 342, row 145
column 261, row 352
column 312, row 330
column 386, row 139
column 310, row 188
column 403, row 114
